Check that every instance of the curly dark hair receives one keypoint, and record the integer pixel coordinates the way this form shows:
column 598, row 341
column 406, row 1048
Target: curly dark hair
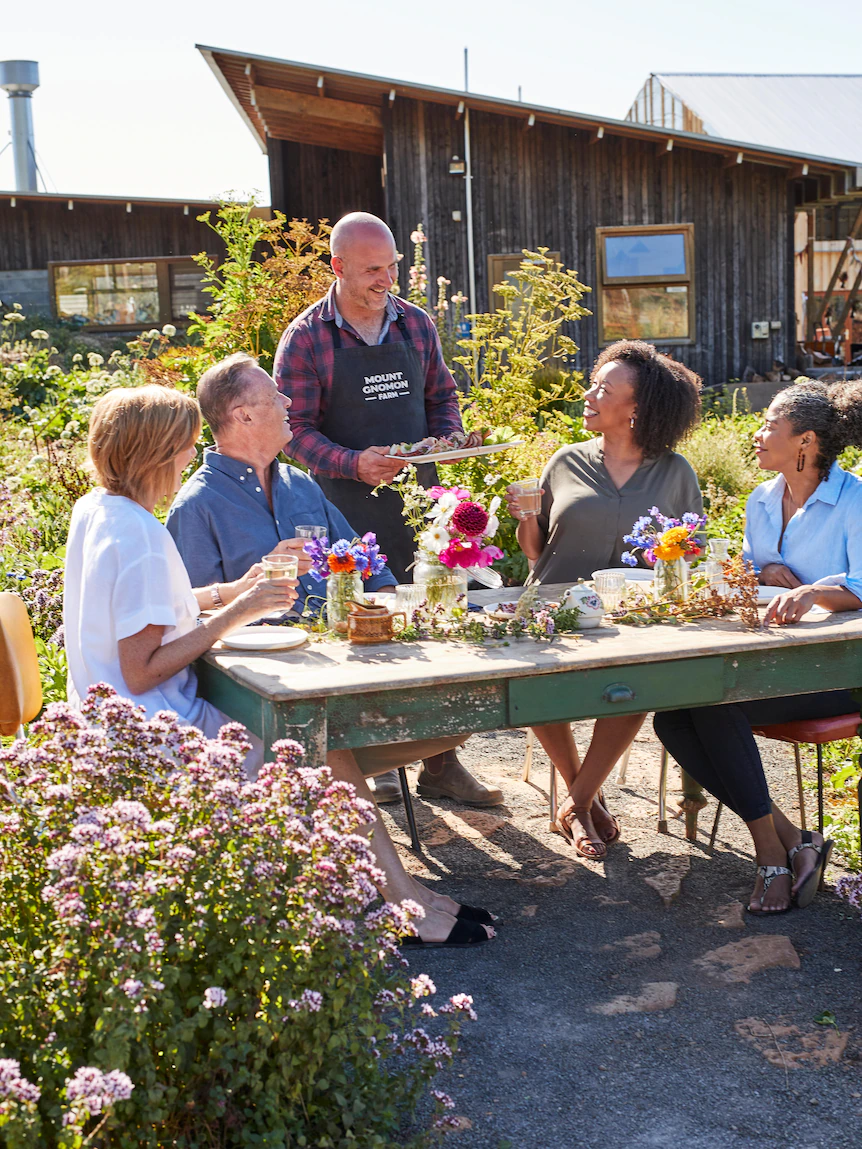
column 667, row 394
column 833, row 411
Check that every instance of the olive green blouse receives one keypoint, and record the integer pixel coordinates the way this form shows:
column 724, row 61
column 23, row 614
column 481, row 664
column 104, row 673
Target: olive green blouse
column 584, row 516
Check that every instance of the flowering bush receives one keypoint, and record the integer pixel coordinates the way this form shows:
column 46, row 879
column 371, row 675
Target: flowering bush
column 665, row 539
column 188, row 960
column 346, row 556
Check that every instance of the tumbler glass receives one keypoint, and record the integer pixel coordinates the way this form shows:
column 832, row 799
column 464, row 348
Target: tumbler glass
column 610, row 587
column 529, row 498
column 279, row 566
column 306, row 532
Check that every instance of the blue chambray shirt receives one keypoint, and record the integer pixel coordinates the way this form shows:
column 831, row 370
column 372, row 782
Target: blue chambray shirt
column 222, row 523
column 823, row 540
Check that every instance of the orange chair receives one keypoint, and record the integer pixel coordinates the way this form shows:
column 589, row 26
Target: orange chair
column 20, row 684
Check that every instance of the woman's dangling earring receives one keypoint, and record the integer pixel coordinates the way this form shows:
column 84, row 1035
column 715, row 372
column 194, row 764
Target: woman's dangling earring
column 632, row 421
column 800, row 462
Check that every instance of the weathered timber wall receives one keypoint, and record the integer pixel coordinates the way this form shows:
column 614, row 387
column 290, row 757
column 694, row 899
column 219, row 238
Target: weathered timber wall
column 549, row 186
column 33, row 233
column 313, row 183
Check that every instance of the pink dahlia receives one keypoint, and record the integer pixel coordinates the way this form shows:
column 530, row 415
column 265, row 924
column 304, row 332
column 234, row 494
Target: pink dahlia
column 470, row 519
column 460, row 554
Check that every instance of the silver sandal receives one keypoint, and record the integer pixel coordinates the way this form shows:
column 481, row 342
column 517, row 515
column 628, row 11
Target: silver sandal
column 769, row 874
column 811, row 882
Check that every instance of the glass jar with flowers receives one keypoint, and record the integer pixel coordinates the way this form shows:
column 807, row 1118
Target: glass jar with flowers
column 345, row 566
column 453, row 536
column 667, row 543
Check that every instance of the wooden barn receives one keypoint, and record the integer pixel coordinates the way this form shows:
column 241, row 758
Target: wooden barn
column 685, row 239
column 105, row 261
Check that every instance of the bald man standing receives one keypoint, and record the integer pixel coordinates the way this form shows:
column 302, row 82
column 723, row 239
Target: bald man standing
column 364, row 369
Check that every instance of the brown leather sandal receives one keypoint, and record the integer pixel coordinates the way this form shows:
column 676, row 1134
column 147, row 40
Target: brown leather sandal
column 579, row 841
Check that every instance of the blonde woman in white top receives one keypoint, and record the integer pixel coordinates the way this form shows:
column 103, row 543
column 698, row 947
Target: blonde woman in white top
column 130, row 613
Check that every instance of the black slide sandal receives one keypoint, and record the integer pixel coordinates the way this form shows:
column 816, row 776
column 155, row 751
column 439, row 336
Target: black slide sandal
column 477, row 914
column 463, row 934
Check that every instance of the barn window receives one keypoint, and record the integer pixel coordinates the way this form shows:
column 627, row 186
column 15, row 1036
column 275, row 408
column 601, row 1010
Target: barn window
column 646, row 283
column 125, row 294
column 499, row 268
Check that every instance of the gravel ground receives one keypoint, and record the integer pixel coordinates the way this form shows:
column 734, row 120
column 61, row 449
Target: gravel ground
column 596, row 1026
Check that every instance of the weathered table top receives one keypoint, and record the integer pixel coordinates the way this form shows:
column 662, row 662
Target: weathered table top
column 338, row 668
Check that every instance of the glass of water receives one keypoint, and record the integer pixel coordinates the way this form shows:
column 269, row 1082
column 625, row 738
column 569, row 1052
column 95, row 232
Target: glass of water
column 306, row 532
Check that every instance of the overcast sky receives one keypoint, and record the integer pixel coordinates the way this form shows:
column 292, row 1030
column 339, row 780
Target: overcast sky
column 127, row 105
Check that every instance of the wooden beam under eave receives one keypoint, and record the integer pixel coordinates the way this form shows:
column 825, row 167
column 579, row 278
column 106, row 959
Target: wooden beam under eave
column 664, row 149
column 298, row 130
column 733, row 160
column 319, row 108
column 798, row 171
column 597, row 135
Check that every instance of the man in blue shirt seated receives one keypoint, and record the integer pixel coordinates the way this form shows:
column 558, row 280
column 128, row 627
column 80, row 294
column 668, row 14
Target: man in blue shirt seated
column 243, row 504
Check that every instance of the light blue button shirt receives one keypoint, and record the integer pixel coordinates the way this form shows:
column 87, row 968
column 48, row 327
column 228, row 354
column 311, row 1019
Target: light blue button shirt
column 822, row 542
column 222, row 522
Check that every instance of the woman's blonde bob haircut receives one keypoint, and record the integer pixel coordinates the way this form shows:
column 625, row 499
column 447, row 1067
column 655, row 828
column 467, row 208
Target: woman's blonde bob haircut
column 136, row 434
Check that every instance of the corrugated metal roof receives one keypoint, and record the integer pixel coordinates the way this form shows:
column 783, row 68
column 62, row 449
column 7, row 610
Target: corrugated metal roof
column 819, row 115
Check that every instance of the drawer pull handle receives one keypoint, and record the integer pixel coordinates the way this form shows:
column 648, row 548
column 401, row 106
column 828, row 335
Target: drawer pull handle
column 618, row 692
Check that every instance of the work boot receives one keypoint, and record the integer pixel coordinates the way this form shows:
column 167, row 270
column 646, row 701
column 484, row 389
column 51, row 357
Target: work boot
column 443, row 776
column 385, row 787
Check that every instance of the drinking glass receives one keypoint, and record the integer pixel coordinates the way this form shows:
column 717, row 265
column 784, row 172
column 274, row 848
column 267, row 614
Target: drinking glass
column 528, row 496
column 610, row 587
column 279, row 566
column 306, row 532
column 409, row 596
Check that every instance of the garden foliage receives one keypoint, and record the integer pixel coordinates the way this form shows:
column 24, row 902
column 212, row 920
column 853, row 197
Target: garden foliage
column 190, row 961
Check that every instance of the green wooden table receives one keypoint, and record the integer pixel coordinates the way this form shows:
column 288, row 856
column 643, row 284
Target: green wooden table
column 334, row 695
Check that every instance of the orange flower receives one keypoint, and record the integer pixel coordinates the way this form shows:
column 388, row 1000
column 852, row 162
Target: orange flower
column 668, row 553
column 344, row 565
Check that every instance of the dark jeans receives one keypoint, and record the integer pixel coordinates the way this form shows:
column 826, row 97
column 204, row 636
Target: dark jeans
column 714, row 744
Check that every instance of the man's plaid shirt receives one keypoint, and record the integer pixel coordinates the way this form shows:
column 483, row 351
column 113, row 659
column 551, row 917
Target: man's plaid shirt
column 303, row 371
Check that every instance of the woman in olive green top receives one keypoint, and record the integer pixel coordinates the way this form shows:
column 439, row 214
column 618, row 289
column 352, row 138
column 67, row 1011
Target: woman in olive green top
column 640, row 404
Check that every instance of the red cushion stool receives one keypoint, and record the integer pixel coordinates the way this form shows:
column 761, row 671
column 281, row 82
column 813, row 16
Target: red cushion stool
column 814, row 731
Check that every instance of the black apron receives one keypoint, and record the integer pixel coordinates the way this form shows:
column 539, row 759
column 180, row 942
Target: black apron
column 377, row 397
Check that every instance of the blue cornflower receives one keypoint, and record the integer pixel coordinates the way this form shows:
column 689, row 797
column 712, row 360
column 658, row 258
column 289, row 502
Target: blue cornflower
column 628, row 559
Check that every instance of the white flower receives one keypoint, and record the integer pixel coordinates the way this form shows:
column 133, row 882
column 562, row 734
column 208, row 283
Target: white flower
column 447, row 502
column 494, row 505
column 51, row 371
column 39, row 334
column 214, row 997
column 435, row 539
column 14, row 317
column 169, row 330
column 492, row 527
column 95, row 360
column 77, row 358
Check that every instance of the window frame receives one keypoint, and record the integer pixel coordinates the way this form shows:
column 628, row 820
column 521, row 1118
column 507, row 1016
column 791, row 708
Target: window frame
column 610, row 281
column 500, row 258
column 163, row 264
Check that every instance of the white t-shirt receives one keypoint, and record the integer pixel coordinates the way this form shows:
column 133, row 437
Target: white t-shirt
column 124, row 572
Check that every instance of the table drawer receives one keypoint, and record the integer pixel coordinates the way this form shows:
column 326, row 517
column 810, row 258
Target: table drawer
column 573, row 694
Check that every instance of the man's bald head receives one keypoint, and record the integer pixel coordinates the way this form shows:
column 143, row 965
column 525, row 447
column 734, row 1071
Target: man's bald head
column 358, row 227
column 365, row 262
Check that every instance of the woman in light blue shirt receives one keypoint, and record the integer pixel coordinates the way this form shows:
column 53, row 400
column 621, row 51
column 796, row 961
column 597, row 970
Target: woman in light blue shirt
column 803, row 533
